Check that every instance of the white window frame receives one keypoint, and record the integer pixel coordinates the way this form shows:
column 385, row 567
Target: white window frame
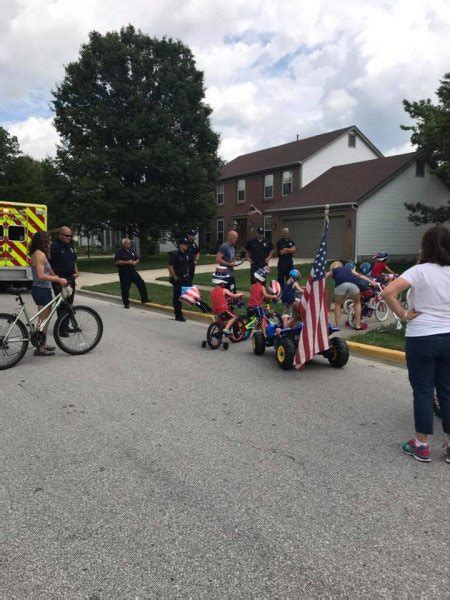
column 270, row 219
column 220, row 191
column 352, row 137
column 239, row 188
column 291, row 181
column 217, row 230
column 266, row 197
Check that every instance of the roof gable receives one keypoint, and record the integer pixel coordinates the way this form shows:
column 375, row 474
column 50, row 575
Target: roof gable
column 284, row 155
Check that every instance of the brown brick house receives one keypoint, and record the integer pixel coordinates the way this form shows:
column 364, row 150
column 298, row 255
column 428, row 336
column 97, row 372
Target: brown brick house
column 290, row 185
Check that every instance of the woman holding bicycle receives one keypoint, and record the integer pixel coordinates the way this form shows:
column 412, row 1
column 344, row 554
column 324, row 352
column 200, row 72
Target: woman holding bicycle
column 43, row 276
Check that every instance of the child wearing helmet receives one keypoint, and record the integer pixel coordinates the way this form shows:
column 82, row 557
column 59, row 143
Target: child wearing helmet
column 220, row 296
column 380, row 266
column 292, row 290
column 259, row 296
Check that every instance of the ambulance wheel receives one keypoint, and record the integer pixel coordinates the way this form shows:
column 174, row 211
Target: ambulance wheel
column 285, row 354
column 258, row 343
column 226, row 345
column 214, row 336
column 338, row 353
column 204, row 344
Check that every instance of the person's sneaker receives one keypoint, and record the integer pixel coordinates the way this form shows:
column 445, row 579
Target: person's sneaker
column 226, row 331
column 420, row 453
column 447, row 452
column 126, row 306
column 180, row 318
column 63, row 334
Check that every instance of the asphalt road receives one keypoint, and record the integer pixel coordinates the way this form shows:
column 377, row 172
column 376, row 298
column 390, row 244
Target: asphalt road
column 153, row 468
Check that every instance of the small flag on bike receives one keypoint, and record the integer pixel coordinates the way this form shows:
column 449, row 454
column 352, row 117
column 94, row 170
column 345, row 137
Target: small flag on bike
column 314, row 333
column 254, row 211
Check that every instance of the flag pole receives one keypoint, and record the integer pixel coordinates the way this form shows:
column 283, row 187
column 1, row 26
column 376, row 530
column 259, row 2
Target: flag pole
column 327, row 210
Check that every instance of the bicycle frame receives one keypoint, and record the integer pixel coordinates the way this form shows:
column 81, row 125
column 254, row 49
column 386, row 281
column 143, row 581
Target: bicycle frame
column 55, row 303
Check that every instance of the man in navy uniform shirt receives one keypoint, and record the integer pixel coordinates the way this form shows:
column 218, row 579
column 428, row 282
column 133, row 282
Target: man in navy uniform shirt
column 126, row 261
column 63, row 261
column 194, row 253
column 179, row 274
column 286, row 250
column 259, row 252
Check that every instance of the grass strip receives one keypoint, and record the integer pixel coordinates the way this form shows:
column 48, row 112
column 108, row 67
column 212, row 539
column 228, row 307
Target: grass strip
column 107, row 265
column 386, row 337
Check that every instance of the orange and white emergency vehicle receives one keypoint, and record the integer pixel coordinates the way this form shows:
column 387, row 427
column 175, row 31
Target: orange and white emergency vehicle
column 18, row 223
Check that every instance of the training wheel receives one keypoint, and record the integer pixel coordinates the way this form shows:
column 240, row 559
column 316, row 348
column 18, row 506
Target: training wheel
column 225, row 345
column 204, row 344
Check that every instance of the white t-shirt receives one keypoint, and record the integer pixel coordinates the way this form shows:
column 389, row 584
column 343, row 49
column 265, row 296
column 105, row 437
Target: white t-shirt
column 429, row 295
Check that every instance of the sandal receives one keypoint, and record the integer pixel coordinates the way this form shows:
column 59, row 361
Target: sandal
column 43, row 352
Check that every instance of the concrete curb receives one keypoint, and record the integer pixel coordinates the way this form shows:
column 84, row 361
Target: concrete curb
column 148, row 305
column 378, row 353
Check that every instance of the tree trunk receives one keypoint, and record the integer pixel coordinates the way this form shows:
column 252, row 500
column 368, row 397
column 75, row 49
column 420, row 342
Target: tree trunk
column 143, row 239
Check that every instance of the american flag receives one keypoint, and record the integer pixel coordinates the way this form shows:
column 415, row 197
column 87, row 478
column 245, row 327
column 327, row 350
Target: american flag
column 254, row 211
column 314, row 333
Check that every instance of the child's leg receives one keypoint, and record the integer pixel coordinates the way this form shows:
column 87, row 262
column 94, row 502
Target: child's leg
column 230, row 323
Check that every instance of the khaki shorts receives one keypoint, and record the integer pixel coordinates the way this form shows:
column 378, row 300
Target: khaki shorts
column 346, row 289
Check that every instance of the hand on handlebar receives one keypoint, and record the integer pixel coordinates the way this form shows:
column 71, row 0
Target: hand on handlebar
column 63, row 282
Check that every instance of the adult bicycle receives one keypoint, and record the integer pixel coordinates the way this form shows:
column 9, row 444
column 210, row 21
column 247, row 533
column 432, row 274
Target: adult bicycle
column 77, row 331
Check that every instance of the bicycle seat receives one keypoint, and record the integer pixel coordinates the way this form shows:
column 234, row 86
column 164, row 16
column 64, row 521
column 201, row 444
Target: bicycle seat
column 17, row 291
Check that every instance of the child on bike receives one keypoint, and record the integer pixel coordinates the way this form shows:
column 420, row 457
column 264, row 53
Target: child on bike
column 292, row 290
column 380, row 266
column 220, row 297
column 259, row 296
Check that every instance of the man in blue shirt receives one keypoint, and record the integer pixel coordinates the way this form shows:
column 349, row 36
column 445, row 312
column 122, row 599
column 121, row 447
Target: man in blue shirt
column 126, row 261
column 63, row 261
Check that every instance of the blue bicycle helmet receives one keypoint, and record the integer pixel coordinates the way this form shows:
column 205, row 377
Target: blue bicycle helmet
column 365, row 268
column 350, row 266
column 295, row 274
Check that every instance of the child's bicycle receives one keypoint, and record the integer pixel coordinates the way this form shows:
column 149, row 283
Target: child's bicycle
column 83, row 325
column 370, row 305
column 254, row 322
column 215, row 336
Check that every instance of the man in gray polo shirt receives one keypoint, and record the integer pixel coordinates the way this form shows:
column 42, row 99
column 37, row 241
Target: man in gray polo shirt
column 226, row 257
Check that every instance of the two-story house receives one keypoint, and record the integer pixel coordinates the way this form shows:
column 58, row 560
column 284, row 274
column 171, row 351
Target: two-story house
column 290, row 184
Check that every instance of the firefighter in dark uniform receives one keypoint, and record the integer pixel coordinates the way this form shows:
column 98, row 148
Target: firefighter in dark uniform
column 194, row 253
column 285, row 249
column 126, row 260
column 259, row 252
column 63, row 261
column 179, row 274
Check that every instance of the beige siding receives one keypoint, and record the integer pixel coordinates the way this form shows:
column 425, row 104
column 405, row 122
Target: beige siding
column 336, row 153
column 382, row 222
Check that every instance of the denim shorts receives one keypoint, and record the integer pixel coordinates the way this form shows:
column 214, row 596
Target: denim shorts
column 346, row 289
column 41, row 296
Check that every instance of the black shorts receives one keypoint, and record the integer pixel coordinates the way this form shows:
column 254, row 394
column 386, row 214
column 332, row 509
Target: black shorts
column 41, row 296
column 225, row 316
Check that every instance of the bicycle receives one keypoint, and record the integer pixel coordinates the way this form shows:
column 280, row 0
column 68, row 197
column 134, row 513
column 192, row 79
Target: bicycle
column 83, row 325
column 254, row 322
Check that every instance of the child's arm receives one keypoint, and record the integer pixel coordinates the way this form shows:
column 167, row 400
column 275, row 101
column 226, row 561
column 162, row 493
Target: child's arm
column 268, row 296
column 389, row 269
column 231, row 295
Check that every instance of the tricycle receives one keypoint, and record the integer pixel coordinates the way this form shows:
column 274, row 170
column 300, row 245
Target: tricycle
column 286, row 341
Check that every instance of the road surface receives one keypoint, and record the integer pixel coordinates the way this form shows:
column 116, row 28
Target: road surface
column 152, row 468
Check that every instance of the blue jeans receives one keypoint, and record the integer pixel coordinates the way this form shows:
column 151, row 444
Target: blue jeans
column 428, row 359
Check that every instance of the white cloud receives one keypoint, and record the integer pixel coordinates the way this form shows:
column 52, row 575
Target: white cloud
column 37, row 136
column 273, row 68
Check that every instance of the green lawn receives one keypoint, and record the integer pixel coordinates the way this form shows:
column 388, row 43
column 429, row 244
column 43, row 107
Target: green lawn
column 107, row 265
column 387, row 337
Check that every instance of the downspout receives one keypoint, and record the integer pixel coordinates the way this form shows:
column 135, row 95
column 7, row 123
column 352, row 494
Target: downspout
column 355, row 238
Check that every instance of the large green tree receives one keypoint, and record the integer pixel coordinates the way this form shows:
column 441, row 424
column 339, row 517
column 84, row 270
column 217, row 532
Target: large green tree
column 431, row 134
column 9, row 150
column 136, row 139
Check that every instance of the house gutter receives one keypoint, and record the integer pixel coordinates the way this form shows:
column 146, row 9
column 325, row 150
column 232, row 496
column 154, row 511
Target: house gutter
column 266, row 170
column 290, row 209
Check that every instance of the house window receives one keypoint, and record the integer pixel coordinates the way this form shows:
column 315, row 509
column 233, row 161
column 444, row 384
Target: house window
column 268, row 227
column 220, row 231
column 268, row 187
column 208, row 234
column 352, row 140
column 286, row 185
column 420, row 168
column 16, row 233
column 240, row 191
column 219, row 194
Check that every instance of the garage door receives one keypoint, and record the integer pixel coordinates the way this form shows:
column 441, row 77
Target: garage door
column 307, row 233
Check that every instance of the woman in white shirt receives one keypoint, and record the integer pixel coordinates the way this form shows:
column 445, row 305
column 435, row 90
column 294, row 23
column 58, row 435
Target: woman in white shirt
column 427, row 341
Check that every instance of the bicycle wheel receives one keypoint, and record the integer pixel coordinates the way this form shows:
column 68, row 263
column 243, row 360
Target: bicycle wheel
column 238, row 331
column 13, row 347
column 214, row 336
column 249, row 323
column 85, row 330
column 381, row 310
column 348, row 303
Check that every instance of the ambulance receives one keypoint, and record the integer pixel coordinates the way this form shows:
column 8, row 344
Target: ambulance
column 18, row 223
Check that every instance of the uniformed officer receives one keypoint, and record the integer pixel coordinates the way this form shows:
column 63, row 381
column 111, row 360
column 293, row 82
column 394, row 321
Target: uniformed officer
column 194, row 253
column 126, row 261
column 285, row 249
column 259, row 252
column 179, row 274
column 63, row 261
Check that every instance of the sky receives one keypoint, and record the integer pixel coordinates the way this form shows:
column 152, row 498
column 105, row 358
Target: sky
column 274, row 69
